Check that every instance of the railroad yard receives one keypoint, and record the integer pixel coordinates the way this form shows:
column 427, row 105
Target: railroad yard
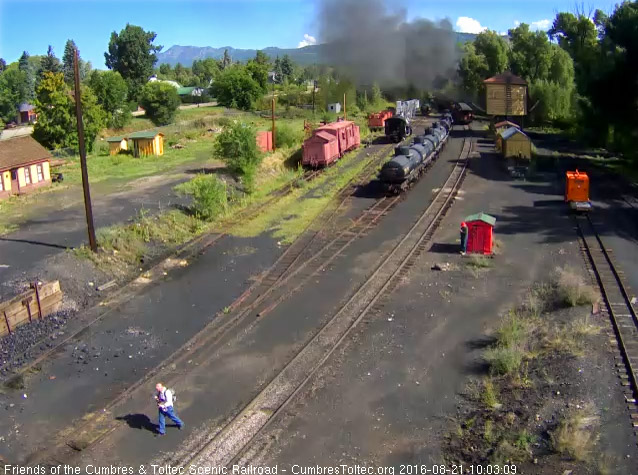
column 346, row 346
column 360, row 261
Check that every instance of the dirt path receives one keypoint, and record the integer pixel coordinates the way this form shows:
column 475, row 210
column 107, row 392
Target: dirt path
column 57, row 222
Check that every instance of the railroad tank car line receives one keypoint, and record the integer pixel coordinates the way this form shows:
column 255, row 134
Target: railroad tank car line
column 229, row 443
column 207, row 336
column 618, row 307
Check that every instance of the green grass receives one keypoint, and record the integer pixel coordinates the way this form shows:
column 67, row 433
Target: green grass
column 292, row 215
column 124, row 167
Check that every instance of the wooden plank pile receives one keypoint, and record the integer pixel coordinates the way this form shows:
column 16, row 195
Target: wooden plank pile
column 40, row 300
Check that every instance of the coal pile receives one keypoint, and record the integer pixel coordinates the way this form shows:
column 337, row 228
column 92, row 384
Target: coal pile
column 27, row 341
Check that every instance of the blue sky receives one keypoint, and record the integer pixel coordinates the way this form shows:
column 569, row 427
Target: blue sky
column 31, row 25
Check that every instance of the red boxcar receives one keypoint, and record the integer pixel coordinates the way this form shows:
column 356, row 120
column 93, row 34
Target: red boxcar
column 377, row 119
column 329, row 143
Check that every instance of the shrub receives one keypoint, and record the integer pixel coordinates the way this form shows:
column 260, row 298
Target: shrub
column 208, row 194
column 488, row 396
column 286, row 136
column 236, row 145
column 571, row 288
column 503, row 360
column 576, row 434
column 236, row 88
column 160, row 101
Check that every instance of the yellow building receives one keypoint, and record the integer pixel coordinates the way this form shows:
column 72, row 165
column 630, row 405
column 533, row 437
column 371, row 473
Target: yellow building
column 147, row 143
column 506, row 95
column 117, row 144
column 24, row 166
column 515, row 143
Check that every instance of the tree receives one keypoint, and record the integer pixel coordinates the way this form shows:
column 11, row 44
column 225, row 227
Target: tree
column 278, row 70
column 67, row 61
column 132, row 54
column 226, row 60
column 375, row 95
column 160, row 101
column 206, row 70
column 57, row 126
column 531, row 53
column 235, row 87
column 259, row 72
column 262, row 58
column 236, row 145
column 13, row 92
column 287, row 67
column 166, row 70
column 3, row 65
column 111, row 93
column 473, row 69
column 49, row 63
column 25, row 66
column 495, row 50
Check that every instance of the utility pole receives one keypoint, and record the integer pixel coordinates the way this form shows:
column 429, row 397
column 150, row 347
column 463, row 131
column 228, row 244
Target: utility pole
column 272, row 116
column 85, row 173
column 314, row 89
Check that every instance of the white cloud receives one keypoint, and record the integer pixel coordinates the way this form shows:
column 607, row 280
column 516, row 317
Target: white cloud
column 541, row 25
column 307, row 41
column 466, row 24
column 517, row 23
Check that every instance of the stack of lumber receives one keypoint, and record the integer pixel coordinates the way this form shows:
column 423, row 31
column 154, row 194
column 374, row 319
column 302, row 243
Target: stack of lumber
column 40, row 300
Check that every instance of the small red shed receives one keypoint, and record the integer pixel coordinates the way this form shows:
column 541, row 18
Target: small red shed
column 480, row 233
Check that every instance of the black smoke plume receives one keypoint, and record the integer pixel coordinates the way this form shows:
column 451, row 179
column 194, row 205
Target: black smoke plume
column 371, row 44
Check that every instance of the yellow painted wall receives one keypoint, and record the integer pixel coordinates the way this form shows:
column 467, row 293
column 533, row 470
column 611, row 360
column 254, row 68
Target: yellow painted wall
column 517, row 145
column 46, row 170
column 34, row 174
column 154, row 146
column 6, row 181
column 496, row 100
column 21, row 181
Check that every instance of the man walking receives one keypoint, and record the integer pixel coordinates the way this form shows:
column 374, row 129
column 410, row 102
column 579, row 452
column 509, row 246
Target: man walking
column 164, row 398
column 463, row 238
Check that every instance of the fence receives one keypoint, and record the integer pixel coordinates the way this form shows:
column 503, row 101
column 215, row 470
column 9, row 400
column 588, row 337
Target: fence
column 36, row 303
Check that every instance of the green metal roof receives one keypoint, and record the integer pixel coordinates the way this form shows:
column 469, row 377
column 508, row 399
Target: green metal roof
column 145, row 134
column 185, row 91
column 486, row 218
column 115, row 139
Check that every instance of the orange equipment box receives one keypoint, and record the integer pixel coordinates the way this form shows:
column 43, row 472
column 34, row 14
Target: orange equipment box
column 577, row 187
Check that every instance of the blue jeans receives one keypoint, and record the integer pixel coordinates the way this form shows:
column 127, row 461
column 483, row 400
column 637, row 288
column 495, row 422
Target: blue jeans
column 464, row 242
column 170, row 413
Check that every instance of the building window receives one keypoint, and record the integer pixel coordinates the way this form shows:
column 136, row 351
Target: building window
column 1, row 183
column 27, row 175
column 40, row 173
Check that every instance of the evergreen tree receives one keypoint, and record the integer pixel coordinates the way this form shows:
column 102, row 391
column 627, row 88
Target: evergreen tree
column 49, row 63
column 67, row 61
column 25, row 67
column 226, row 60
column 287, row 67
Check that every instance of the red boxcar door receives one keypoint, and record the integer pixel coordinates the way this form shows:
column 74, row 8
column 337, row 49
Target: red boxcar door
column 479, row 238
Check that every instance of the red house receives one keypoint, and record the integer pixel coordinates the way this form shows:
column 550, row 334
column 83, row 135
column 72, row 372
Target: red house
column 480, row 233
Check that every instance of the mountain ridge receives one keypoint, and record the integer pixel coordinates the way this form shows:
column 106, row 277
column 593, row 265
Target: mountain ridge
column 304, row 56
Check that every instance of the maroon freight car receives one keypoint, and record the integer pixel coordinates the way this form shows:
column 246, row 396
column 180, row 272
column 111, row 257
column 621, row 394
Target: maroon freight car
column 329, row 143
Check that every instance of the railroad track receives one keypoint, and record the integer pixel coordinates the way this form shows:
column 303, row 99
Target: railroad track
column 618, row 307
column 227, row 445
column 289, row 273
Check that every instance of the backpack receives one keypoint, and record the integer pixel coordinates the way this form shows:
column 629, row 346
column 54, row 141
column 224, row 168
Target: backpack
column 173, row 393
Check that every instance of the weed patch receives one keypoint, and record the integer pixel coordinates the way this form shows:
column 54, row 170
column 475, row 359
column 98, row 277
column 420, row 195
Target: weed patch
column 209, row 196
column 571, row 289
column 576, row 434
